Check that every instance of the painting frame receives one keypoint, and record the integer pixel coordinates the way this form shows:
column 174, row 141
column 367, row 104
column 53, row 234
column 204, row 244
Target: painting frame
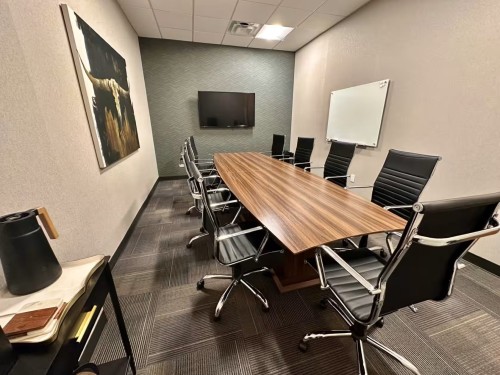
column 105, row 89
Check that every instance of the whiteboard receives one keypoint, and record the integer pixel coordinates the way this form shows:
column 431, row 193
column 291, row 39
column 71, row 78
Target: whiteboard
column 356, row 113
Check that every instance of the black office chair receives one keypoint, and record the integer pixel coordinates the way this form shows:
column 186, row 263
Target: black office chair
column 399, row 184
column 202, row 163
column 337, row 162
column 423, row 267
column 302, row 156
column 232, row 248
column 216, row 194
column 278, row 147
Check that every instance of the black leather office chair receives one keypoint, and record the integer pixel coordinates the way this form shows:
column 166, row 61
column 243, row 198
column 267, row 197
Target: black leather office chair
column 232, row 248
column 423, row 267
column 400, row 183
column 337, row 162
column 302, row 156
column 278, row 146
column 201, row 163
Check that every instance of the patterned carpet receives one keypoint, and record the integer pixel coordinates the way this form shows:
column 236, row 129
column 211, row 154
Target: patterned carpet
column 170, row 326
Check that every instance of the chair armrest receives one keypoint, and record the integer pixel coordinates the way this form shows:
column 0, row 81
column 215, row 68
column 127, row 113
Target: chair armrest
column 305, row 162
column 439, row 242
column 240, row 233
column 211, row 176
column 351, row 242
column 207, row 170
column 341, row 262
column 289, row 158
column 388, row 208
column 333, row 177
column 358, row 187
column 306, row 168
column 225, row 203
column 217, row 190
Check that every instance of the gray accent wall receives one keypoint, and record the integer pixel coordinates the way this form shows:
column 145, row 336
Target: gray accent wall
column 175, row 72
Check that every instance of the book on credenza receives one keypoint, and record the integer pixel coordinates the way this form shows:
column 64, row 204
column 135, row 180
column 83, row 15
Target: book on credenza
column 36, row 317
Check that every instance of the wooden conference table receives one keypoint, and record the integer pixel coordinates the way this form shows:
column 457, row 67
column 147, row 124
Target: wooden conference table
column 300, row 209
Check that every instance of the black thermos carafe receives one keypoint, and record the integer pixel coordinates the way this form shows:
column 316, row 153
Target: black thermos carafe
column 28, row 262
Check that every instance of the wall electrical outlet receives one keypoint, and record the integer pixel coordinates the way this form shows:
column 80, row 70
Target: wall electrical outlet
column 353, row 177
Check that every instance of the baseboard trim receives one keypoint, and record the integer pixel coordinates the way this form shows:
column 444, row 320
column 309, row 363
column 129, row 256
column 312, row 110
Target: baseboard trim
column 169, row 178
column 483, row 263
column 123, row 243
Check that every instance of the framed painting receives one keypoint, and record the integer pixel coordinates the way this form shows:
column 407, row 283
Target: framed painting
column 102, row 74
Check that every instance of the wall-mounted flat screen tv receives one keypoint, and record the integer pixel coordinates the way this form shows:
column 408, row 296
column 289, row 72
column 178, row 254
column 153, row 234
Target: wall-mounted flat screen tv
column 226, row 109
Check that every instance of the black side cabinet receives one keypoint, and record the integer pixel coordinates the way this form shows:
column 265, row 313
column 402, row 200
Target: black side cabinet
column 61, row 356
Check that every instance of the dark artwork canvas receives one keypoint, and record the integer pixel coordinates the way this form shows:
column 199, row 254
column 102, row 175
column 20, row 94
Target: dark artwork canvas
column 103, row 79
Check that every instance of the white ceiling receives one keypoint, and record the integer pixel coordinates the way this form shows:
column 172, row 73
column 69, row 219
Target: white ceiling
column 206, row 21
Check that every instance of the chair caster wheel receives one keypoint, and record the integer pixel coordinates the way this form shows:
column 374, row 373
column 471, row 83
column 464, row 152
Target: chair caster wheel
column 189, row 245
column 188, row 212
column 303, row 346
column 383, row 253
column 380, row 323
column 200, row 285
column 216, row 318
column 202, row 230
column 265, row 309
column 323, row 304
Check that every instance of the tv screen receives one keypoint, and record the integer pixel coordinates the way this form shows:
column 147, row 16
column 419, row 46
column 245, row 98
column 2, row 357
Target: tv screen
column 226, row 109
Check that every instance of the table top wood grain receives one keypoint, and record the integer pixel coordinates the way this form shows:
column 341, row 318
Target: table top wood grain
column 300, row 209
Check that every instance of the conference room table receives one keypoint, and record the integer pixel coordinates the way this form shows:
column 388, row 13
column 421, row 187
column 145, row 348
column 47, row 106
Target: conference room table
column 300, row 209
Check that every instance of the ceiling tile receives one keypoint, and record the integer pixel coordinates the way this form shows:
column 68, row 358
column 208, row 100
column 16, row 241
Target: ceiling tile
column 341, row 7
column 247, row 11
column 302, row 4
column 204, row 37
column 135, row 3
column 214, row 8
column 290, row 17
column 143, row 21
column 211, row 25
column 176, row 34
column 174, row 20
column 178, row 6
column 239, row 41
column 320, row 22
column 296, row 39
column 262, row 43
column 272, row 2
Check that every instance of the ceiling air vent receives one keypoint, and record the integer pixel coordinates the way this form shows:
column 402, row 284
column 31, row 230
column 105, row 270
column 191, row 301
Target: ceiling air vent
column 243, row 28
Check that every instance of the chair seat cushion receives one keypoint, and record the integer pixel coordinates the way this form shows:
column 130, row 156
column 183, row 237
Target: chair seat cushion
column 351, row 292
column 235, row 249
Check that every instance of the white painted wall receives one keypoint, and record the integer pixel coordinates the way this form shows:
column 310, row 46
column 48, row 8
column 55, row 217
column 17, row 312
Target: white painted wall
column 443, row 59
column 47, row 156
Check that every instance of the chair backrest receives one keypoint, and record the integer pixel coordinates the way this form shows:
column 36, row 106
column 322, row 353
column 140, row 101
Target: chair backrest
column 402, row 179
column 278, row 146
column 303, row 151
column 425, row 261
column 190, row 152
column 338, row 161
column 193, row 147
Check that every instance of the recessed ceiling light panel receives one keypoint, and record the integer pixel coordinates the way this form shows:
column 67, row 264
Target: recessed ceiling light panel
column 273, row 32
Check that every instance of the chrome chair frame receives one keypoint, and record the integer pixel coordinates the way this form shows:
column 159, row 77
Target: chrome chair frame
column 358, row 330
column 237, row 276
